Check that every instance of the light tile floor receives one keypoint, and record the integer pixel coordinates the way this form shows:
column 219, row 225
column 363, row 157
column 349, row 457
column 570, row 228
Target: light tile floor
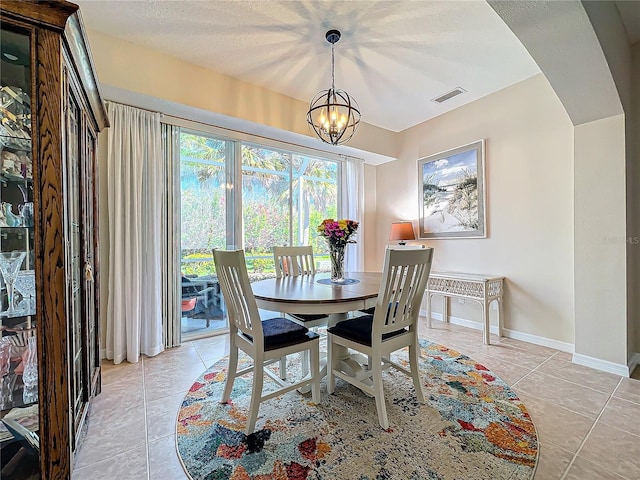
column 588, row 422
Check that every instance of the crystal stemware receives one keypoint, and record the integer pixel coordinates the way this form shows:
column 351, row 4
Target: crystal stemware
column 10, row 263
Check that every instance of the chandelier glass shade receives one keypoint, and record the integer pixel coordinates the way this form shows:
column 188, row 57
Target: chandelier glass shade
column 333, row 114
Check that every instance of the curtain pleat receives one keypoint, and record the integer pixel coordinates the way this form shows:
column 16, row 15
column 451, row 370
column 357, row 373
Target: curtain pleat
column 352, row 208
column 171, row 237
column 136, row 192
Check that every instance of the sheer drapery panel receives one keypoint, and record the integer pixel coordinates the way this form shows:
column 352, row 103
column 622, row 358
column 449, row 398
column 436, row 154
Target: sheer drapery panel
column 352, row 208
column 136, row 196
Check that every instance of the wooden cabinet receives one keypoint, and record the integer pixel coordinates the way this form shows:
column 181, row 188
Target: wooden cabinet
column 50, row 115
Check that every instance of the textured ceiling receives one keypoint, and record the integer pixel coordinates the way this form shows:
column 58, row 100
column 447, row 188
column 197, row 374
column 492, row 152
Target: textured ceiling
column 394, row 56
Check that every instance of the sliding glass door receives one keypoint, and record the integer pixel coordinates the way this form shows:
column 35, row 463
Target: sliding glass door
column 242, row 195
column 285, row 196
column 203, row 219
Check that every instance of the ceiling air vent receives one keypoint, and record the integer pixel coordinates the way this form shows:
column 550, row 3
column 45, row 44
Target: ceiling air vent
column 448, row 95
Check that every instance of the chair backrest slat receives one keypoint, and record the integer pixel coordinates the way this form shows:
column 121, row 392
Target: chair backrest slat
column 242, row 310
column 404, row 280
column 294, row 261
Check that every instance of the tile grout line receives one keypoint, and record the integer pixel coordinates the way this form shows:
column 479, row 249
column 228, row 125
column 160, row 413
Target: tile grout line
column 534, row 369
column 571, row 381
column 586, row 437
column 622, row 398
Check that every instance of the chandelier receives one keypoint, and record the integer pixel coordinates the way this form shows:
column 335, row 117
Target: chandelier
column 333, row 114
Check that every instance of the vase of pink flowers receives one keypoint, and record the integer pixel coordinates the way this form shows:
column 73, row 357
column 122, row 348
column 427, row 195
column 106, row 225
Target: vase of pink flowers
column 338, row 234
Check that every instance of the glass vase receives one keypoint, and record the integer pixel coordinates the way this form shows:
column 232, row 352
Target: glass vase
column 30, row 373
column 10, row 263
column 336, row 254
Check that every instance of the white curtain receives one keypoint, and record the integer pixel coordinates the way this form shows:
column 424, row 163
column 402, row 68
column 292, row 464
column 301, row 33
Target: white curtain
column 135, row 191
column 352, row 208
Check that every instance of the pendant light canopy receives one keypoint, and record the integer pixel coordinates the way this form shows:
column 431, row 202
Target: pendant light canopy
column 333, row 114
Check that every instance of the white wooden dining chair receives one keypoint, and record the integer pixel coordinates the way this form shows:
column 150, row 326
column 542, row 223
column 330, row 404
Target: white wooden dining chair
column 393, row 326
column 265, row 341
column 294, row 262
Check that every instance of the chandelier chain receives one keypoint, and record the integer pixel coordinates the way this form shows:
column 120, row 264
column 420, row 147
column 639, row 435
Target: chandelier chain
column 333, row 68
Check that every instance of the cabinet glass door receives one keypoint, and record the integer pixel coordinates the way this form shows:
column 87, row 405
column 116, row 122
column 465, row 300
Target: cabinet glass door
column 90, row 242
column 19, row 449
column 74, row 262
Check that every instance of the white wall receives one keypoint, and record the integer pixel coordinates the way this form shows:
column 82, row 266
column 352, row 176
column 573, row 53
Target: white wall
column 588, row 66
column 529, row 183
column 613, row 39
column 633, row 212
column 600, row 240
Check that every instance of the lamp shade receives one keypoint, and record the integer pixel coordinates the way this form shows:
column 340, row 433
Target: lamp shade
column 402, row 231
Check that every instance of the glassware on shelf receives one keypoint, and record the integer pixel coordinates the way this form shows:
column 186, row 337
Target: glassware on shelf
column 30, row 394
column 25, row 284
column 26, row 214
column 5, row 357
column 7, row 384
column 30, row 359
column 10, row 218
column 10, row 263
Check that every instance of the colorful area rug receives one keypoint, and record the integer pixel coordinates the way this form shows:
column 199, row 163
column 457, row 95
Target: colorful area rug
column 473, row 427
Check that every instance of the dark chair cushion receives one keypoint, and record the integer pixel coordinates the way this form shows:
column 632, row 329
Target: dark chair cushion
column 308, row 317
column 281, row 332
column 359, row 330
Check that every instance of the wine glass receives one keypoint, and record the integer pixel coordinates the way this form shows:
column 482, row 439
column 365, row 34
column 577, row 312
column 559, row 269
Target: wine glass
column 10, row 263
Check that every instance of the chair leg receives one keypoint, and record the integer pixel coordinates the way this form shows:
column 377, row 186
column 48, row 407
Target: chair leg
column 315, row 371
column 414, row 352
column 331, row 362
column 231, row 373
column 305, row 363
column 256, row 395
column 378, row 391
column 283, row 365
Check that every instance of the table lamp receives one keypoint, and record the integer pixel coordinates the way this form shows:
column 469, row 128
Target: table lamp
column 402, row 231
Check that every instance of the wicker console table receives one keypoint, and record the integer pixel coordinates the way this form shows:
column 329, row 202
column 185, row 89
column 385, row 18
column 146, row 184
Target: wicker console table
column 483, row 289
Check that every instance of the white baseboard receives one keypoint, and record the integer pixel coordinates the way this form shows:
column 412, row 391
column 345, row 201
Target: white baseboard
column 103, row 353
column 604, row 365
column 525, row 337
column 537, row 340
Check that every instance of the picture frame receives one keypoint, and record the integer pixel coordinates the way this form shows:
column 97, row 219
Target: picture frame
column 452, row 193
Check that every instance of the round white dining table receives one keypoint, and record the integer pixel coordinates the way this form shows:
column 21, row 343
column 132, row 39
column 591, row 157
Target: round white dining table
column 304, row 294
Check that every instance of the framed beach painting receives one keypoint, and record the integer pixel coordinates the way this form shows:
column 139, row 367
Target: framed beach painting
column 452, row 194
